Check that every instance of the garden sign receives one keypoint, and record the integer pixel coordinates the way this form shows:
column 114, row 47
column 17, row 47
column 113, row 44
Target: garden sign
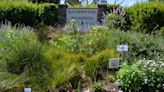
column 27, row 90
column 122, row 47
column 114, row 63
column 86, row 16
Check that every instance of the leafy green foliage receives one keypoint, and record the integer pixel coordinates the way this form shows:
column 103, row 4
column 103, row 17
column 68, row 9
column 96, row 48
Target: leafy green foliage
column 111, row 78
column 146, row 16
column 153, row 73
column 90, row 43
column 95, row 65
column 11, row 0
column 97, row 86
column 140, row 45
column 145, row 75
column 114, row 21
column 83, row 6
column 28, row 13
column 94, row 41
column 72, row 59
column 130, row 78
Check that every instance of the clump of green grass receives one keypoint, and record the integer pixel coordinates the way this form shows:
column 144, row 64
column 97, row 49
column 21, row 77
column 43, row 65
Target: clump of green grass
column 23, row 54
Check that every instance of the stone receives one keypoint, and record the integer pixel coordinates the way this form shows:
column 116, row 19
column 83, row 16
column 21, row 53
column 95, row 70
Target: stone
column 110, row 88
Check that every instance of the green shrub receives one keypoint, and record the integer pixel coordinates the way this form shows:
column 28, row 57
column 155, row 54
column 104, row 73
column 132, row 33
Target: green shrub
column 160, row 32
column 96, row 64
column 140, row 45
column 48, row 14
column 153, row 73
column 130, row 78
column 114, row 21
column 95, row 41
column 101, row 38
column 11, row 0
column 83, row 6
column 146, row 16
column 111, row 78
column 104, row 56
column 97, row 86
column 144, row 75
column 70, row 40
column 28, row 13
column 89, row 43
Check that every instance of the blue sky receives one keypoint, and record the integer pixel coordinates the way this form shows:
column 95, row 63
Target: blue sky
column 126, row 2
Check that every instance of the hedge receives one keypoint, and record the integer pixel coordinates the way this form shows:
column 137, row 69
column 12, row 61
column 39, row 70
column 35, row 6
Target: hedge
column 146, row 16
column 28, row 13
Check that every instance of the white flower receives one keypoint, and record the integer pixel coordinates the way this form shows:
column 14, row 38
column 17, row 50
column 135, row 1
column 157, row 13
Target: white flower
column 145, row 81
column 162, row 64
column 153, row 70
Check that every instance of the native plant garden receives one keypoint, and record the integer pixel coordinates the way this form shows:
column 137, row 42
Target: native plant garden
column 36, row 53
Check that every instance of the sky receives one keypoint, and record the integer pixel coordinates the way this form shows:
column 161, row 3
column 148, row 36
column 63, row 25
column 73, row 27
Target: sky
column 126, row 2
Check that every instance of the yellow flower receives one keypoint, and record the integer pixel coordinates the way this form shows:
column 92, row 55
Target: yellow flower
column 94, row 29
column 89, row 43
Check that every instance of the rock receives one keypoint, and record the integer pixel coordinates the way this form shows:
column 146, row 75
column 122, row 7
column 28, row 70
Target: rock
column 87, row 90
column 110, row 88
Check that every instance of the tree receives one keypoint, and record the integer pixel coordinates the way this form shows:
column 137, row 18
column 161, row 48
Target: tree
column 71, row 2
column 118, row 1
column 90, row 1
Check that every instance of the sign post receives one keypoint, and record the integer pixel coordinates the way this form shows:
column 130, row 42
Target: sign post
column 123, row 49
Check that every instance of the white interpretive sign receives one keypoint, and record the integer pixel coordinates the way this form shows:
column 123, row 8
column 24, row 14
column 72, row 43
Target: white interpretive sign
column 86, row 16
column 114, row 63
column 27, row 90
column 122, row 47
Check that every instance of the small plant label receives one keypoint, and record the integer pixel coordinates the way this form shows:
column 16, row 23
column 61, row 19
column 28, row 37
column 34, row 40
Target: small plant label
column 114, row 63
column 27, row 90
column 122, row 47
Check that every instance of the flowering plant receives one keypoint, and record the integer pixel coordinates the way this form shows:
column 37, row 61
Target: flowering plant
column 144, row 75
column 153, row 74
